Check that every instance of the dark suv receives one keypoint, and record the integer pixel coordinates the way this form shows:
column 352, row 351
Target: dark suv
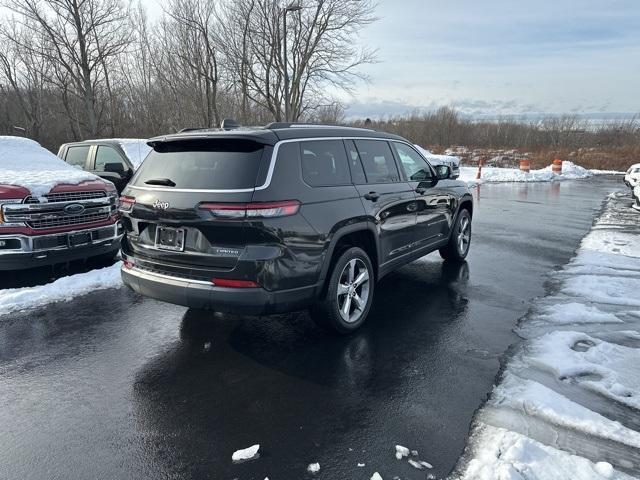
column 286, row 217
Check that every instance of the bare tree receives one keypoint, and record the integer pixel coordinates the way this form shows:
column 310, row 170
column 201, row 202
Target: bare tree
column 322, row 52
column 79, row 38
column 22, row 73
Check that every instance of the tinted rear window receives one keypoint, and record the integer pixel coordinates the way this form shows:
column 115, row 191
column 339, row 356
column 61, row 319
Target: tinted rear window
column 324, row 163
column 203, row 164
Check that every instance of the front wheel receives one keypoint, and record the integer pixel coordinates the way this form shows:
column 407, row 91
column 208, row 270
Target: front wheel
column 460, row 241
column 349, row 293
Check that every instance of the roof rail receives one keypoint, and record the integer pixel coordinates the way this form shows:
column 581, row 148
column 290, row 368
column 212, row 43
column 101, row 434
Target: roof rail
column 277, row 125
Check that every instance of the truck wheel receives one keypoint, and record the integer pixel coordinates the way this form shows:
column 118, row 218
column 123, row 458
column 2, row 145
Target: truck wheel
column 349, row 294
column 460, row 241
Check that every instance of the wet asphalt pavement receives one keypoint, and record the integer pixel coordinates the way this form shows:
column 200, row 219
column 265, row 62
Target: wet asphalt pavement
column 113, row 385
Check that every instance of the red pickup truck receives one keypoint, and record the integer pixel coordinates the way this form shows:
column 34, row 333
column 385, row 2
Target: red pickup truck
column 51, row 212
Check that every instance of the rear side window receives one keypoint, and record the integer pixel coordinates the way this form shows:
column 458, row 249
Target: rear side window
column 324, row 163
column 227, row 164
column 357, row 173
column 377, row 160
column 77, row 155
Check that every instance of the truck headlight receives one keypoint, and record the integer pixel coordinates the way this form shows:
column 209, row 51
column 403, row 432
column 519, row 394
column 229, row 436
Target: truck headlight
column 3, row 222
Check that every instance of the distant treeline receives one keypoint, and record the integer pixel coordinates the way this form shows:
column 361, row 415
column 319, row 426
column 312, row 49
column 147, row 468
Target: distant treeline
column 446, row 127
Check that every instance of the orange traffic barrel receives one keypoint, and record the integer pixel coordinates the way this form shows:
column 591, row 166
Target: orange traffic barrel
column 557, row 166
column 525, row 166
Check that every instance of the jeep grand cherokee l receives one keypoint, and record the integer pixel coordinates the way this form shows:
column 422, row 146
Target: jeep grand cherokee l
column 286, row 217
column 51, row 212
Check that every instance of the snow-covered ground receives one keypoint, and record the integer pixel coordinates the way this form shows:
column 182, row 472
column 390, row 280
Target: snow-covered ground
column 23, row 162
column 567, row 405
column 62, row 289
column 570, row 171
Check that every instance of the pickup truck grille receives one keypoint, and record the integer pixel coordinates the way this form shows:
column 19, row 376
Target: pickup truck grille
column 68, row 209
column 67, row 197
column 68, row 220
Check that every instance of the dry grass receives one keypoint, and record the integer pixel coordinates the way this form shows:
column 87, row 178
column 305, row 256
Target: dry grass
column 611, row 158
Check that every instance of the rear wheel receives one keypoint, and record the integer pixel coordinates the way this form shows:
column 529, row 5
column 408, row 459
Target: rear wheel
column 349, row 293
column 460, row 241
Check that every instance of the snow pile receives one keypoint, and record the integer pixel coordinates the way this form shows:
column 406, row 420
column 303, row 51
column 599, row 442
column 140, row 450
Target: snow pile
column 570, row 171
column 435, row 159
column 508, row 455
column 62, row 289
column 245, row 453
column 567, row 402
column 136, row 149
column 25, row 163
column 313, row 468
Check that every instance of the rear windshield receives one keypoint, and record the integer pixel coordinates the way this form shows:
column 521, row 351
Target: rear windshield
column 202, row 164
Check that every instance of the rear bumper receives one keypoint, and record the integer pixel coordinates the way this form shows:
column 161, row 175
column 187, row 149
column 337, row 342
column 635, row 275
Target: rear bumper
column 204, row 295
column 29, row 251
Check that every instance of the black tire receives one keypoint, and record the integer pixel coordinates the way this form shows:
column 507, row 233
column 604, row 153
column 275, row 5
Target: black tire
column 327, row 311
column 460, row 240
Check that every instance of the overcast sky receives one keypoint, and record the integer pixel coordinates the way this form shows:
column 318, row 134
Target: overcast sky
column 503, row 56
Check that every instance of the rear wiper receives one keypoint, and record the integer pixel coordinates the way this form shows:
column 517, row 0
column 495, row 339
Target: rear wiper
column 166, row 182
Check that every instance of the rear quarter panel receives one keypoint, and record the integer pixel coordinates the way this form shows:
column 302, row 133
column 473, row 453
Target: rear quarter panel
column 324, row 212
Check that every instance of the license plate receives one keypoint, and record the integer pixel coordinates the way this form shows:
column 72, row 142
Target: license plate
column 169, row 238
column 76, row 239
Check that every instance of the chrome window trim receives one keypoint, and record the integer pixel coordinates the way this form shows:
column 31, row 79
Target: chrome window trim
column 272, row 166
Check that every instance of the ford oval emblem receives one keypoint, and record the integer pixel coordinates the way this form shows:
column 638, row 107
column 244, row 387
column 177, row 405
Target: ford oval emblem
column 74, row 209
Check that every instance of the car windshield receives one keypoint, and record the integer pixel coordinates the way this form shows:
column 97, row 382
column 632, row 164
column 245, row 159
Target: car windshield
column 227, row 164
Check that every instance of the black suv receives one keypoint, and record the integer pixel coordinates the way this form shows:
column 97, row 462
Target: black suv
column 285, row 217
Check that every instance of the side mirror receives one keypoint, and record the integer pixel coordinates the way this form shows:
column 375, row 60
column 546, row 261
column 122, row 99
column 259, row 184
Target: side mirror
column 443, row 172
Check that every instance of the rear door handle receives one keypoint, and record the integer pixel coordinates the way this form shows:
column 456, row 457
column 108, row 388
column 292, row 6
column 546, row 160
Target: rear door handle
column 373, row 196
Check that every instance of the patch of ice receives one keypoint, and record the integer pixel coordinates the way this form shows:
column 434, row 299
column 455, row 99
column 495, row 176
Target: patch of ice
column 504, row 455
column 613, row 291
column 313, row 467
column 620, row 243
column 401, row 452
column 613, row 369
column 361, row 464
column 376, row 476
column 245, row 453
column 25, row 163
column 574, row 313
column 539, row 401
column 62, row 289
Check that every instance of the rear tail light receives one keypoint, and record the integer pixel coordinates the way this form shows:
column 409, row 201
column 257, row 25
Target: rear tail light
column 228, row 283
column 252, row 210
column 128, row 264
column 126, row 203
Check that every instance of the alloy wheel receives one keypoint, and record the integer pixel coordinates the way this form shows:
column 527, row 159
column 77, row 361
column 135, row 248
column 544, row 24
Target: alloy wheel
column 353, row 290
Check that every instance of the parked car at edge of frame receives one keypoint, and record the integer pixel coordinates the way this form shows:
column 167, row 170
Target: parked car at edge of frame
column 114, row 159
column 73, row 216
column 632, row 176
